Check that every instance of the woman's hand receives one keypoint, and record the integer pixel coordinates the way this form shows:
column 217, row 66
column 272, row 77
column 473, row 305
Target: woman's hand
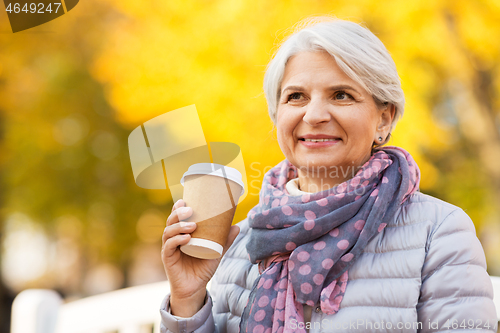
column 188, row 276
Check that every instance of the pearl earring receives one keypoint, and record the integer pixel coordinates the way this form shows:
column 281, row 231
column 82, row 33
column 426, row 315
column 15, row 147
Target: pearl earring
column 380, row 138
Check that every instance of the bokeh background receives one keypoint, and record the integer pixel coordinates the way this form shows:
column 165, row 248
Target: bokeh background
column 72, row 218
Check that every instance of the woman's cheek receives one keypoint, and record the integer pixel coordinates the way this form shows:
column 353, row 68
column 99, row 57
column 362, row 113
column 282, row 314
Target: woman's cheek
column 282, row 143
column 285, row 141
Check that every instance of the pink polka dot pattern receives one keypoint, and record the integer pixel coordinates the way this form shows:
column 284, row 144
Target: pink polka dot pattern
column 309, row 215
column 306, row 288
column 287, row 210
column 381, row 226
column 341, row 188
column 303, row 256
column 281, row 304
column 282, row 181
column 266, row 199
column 327, row 263
column 343, row 244
column 334, row 232
column 290, row 246
column 355, row 182
column 322, row 202
column 259, row 315
column 263, row 301
column 271, row 270
column 305, row 269
column 267, row 284
column 347, row 257
column 319, row 246
column 359, row 224
column 318, row 279
column 309, row 225
column 258, row 329
column 310, row 238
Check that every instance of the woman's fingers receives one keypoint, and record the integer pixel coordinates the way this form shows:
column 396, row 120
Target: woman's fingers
column 179, row 214
column 173, row 243
column 176, row 229
column 177, row 204
column 177, row 233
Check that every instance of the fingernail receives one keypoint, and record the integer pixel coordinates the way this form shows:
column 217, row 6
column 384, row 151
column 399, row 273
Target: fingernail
column 187, row 224
column 184, row 210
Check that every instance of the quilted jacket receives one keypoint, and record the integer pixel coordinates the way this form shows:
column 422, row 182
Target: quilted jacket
column 425, row 272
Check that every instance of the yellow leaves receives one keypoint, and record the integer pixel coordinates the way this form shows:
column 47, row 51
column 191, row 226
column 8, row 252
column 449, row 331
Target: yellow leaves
column 480, row 29
column 429, row 173
column 166, row 55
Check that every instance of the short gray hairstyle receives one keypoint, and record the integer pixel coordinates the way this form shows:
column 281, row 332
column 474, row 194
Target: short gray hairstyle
column 357, row 51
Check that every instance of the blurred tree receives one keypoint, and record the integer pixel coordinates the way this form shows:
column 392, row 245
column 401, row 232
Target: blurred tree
column 65, row 158
column 214, row 54
column 6, row 295
column 71, row 96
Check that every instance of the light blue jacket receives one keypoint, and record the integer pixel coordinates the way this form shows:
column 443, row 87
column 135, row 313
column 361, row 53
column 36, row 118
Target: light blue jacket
column 425, row 272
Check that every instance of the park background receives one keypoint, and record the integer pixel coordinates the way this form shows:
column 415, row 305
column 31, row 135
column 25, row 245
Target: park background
column 72, row 218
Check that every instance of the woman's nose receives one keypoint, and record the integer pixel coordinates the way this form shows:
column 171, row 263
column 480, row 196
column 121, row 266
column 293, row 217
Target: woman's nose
column 316, row 112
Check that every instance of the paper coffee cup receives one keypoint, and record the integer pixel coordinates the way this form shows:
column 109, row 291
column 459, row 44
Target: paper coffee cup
column 212, row 191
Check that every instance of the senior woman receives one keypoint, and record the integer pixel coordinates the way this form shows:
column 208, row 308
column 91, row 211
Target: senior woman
column 341, row 240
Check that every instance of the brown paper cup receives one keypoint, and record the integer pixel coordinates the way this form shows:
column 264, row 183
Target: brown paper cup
column 212, row 191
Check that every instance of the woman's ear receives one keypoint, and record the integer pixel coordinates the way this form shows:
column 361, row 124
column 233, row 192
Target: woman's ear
column 385, row 122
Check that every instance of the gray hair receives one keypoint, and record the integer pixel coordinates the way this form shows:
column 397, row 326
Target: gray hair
column 357, row 51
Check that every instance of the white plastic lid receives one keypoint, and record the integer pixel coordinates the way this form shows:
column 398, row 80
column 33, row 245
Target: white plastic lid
column 214, row 169
column 202, row 248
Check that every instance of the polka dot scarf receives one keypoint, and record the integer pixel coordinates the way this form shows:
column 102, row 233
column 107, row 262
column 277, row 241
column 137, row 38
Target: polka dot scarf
column 305, row 244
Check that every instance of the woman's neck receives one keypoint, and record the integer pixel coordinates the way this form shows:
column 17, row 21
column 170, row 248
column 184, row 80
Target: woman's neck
column 313, row 185
column 315, row 182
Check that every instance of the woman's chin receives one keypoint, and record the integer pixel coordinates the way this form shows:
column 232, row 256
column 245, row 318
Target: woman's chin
column 310, row 166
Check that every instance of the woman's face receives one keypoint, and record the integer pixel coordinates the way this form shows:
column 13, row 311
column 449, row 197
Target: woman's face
column 327, row 122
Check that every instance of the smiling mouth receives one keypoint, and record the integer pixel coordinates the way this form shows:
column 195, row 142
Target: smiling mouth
column 317, row 140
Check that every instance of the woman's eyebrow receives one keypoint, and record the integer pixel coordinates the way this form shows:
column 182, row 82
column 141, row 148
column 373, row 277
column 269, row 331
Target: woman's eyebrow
column 343, row 87
column 332, row 88
column 295, row 88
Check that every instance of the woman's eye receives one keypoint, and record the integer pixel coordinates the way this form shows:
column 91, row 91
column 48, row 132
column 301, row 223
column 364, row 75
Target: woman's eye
column 294, row 96
column 342, row 96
